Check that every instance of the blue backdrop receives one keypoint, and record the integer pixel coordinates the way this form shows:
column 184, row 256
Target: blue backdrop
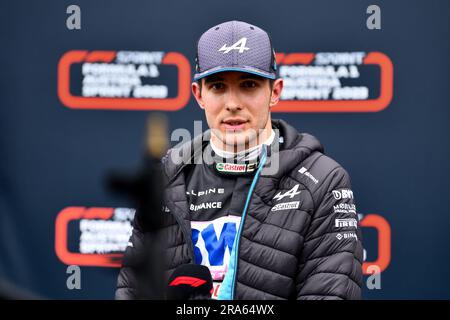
column 55, row 156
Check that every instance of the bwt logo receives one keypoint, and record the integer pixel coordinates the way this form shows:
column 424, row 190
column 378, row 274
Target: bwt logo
column 343, row 194
column 213, row 240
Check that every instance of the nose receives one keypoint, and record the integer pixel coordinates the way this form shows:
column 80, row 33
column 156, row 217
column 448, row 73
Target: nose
column 233, row 103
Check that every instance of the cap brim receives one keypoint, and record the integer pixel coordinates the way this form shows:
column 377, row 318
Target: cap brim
column 251, row 70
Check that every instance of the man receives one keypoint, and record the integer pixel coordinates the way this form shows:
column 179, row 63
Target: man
column 268, row 213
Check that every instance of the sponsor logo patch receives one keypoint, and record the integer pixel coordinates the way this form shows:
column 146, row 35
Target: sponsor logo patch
column 206, row 192
column 286, row 206
column 348, row 235
column 345, row 208
column 305, row 172
column 205, row 205
column 236, row 168
column 343, row 223
column 343, row 194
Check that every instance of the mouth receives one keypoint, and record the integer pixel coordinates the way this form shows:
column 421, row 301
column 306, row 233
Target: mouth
column 233, row 124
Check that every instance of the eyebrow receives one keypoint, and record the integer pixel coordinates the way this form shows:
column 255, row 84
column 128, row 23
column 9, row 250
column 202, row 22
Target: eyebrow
column 215, row 78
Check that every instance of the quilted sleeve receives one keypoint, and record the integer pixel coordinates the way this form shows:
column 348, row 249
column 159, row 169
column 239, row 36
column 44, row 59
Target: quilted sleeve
column 331, row 262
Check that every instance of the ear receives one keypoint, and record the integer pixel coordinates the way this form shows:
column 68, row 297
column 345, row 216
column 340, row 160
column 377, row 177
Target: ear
column 197, row 94
column 276, row 92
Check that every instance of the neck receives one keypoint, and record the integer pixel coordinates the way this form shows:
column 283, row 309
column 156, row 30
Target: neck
column 249, row 152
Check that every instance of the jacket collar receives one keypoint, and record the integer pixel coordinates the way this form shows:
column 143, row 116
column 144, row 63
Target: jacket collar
column 294, row 147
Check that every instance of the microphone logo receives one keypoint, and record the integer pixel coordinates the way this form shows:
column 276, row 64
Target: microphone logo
column 191, row 281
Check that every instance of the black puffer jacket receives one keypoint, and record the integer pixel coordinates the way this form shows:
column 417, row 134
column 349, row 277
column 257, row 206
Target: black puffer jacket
column 300, row 238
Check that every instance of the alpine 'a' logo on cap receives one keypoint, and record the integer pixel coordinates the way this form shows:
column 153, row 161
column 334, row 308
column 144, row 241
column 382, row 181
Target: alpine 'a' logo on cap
column 239, row 45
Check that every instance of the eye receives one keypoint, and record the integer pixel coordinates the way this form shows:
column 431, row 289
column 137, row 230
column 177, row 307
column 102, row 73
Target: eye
column 217, row 86
column 249, row 84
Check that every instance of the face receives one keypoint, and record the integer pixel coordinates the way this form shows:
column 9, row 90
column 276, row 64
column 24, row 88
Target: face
column 237, row 107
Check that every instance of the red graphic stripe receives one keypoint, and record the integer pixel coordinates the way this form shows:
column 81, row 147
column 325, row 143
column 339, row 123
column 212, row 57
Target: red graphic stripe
column 193, row 282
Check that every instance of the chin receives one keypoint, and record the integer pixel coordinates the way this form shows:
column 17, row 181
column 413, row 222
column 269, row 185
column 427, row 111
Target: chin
column 239, row 140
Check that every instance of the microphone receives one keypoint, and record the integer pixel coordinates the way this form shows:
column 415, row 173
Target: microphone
column 190, row 282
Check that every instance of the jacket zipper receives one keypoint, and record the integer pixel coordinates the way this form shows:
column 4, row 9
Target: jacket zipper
column 244, row 212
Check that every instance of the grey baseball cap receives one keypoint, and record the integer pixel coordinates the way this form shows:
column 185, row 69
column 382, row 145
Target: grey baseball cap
column 235, row 46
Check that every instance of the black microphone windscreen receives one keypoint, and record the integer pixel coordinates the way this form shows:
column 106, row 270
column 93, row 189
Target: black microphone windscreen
column 190, row 282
